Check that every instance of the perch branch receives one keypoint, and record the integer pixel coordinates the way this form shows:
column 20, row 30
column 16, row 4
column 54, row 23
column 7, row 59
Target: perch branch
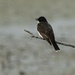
column 33, row 36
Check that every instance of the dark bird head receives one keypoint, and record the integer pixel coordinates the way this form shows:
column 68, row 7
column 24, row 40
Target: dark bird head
column 41, row 19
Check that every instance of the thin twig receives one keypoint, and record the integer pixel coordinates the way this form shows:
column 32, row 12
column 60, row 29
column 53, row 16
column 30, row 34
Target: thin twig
column 65, row 44
column 33, row 36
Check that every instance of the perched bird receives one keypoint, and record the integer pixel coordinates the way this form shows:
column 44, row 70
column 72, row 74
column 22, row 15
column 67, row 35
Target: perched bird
column 45, row 30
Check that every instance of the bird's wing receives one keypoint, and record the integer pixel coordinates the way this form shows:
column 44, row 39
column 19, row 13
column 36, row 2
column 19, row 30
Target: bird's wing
column 45, row 30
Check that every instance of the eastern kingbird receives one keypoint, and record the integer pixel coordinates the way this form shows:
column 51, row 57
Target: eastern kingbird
column 46, row 31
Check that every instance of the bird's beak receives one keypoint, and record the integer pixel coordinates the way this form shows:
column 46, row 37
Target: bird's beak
column 36, row 19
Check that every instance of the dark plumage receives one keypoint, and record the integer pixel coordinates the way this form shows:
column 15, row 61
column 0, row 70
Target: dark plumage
column 46, row 31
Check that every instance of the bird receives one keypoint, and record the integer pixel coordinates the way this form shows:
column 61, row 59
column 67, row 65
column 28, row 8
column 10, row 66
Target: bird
column 46, row 32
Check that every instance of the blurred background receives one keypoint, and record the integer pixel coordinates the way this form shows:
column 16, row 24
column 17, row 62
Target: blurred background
column 22, row 55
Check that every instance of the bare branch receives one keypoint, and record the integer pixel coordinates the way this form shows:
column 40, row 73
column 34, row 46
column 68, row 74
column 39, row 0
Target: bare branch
column 65, row 44
column 33, row 36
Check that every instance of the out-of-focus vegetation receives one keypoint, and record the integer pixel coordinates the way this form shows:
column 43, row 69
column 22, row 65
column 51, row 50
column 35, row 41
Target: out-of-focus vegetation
column 24, row 11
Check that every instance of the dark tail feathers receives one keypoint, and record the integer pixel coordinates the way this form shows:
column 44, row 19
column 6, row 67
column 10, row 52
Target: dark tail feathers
column 55, row 45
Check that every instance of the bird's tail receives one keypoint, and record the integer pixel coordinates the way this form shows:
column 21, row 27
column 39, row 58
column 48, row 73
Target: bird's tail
column 55, row 45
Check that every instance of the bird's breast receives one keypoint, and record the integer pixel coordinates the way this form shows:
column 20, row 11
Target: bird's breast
column 40, row 35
